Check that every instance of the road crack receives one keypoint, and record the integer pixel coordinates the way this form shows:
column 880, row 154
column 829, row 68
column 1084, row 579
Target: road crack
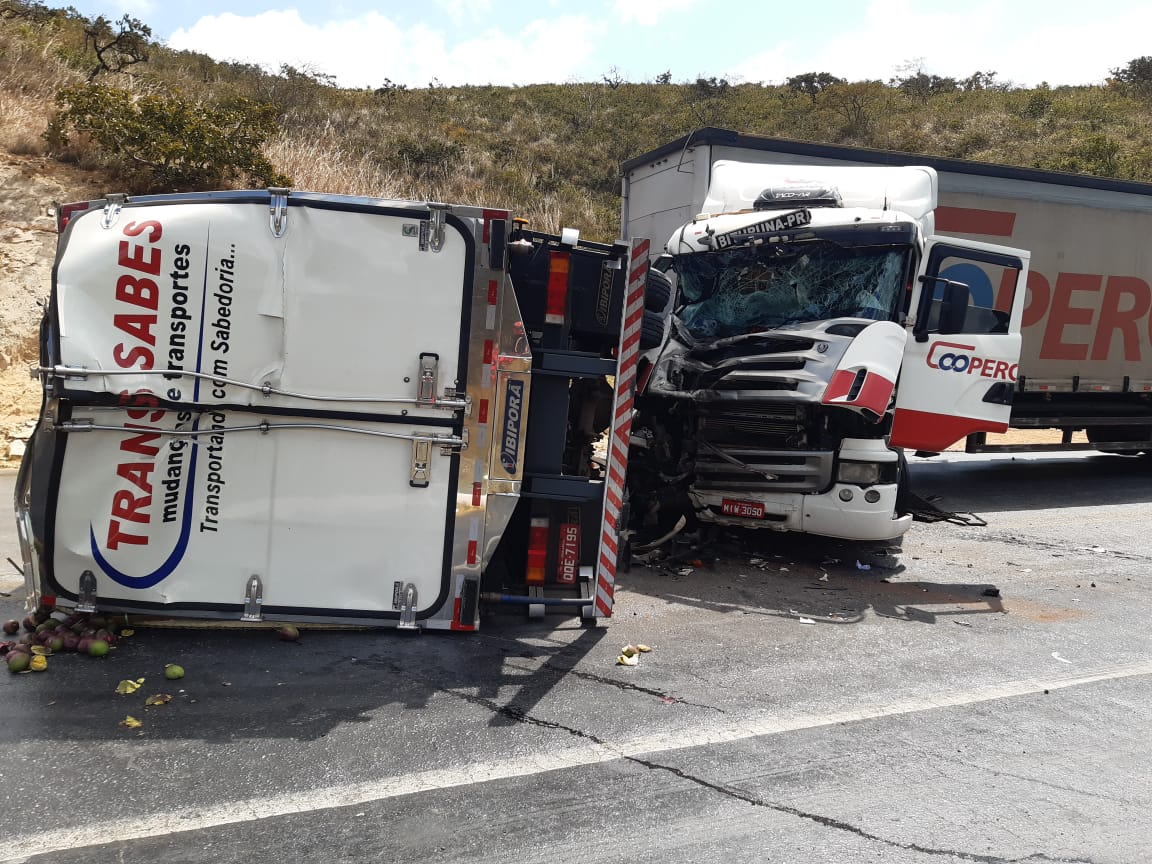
column 520, row 715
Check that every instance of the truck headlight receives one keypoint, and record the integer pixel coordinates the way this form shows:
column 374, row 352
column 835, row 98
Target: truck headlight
column 861, row 473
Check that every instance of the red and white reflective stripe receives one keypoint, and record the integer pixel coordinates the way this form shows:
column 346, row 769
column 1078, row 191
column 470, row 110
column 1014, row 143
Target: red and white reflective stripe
column 490, row 309
column 621, row 431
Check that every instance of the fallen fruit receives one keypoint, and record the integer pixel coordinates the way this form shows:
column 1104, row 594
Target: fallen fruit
column 97, row 648
column 627, row 660
column 629, row 651
column 12, row 627
column 173, row 672
column 128, row 686
column 159, row 699
column 18, row 661
column 643, row 649
column 131, row 722
column 38, row 663
column 30, row 624
column 288, row 633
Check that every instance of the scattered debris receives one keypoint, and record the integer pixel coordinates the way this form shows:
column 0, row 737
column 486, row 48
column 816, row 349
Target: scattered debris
column 862, row 566
column 624, row 660
column 660, row 541
column 158, row 699
column 685, row 571
column 1056, row 656
column 807, row 621
column 131, row 722
column 963, row 623
column 128, row 686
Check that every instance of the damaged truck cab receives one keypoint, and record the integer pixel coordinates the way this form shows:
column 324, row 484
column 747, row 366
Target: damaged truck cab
column 816, row 328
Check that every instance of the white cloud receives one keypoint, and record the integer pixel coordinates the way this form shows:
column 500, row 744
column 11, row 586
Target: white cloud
column 1017, row 41
column 463, row 12
column 363, row 51
column 649, row 13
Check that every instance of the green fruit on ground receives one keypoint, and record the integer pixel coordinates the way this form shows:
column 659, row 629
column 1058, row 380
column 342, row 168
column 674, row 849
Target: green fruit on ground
column 18, row 661
column 172, row 672
column 97, row 648
column 288, row 633
column 12, row 627
column 56, row 643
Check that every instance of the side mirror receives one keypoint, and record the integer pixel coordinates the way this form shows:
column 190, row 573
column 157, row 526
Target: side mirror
column 663, row 263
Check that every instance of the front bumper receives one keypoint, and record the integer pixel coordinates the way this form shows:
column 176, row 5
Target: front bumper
column 825, row 514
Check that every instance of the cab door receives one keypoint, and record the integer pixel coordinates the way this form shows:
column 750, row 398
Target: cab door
column 962, row 355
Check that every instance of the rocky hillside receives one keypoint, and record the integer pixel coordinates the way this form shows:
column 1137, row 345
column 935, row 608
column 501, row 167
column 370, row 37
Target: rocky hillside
column 28, row 188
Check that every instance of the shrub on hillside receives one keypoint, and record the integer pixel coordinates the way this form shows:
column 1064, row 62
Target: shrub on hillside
column 166, row 142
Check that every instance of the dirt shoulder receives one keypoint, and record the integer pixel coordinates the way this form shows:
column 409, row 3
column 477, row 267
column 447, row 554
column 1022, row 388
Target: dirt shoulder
column 29, row 185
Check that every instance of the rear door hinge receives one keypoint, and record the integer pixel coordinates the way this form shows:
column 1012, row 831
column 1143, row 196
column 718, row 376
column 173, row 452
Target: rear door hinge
column 278, row 210
column 253, row 599
column 432, row 228
column 115, row 203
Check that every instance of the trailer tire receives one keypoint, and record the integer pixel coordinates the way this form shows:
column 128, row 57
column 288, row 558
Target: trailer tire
column 1120, row 433
column 651, row 331
column 657, row 291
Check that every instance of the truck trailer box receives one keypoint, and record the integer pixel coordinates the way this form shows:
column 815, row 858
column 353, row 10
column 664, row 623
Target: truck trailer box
column 307, row 407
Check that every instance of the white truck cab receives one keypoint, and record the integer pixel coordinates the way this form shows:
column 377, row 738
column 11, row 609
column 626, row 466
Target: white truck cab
column 817, row 328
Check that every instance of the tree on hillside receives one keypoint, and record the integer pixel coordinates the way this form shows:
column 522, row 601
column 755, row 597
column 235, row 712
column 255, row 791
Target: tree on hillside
column 1136, row 75
column 812, row 84
column 10, row 10
column 118, row 45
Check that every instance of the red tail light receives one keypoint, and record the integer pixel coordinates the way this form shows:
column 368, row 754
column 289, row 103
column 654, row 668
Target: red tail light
column 557, row 288
column 537, row 550
column 65, row 212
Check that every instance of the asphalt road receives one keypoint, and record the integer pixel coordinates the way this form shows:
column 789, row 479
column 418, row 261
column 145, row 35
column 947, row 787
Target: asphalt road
column 919, row 717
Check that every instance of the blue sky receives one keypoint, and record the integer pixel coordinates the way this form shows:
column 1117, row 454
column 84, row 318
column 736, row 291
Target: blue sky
column 363, row 43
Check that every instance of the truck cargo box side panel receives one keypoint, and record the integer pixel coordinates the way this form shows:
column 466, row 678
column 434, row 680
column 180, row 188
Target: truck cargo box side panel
column 177, row 505
column 1089, row 294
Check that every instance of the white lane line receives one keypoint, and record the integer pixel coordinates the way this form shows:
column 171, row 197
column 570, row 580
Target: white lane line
column 20, row 847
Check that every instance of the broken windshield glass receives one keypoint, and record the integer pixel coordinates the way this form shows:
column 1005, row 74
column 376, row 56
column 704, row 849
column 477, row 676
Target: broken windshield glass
column 752, row 289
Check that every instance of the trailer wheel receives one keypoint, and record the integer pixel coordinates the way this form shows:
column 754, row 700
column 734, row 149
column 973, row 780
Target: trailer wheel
column 1120, row 433
column 657, row 291
column 651, row 331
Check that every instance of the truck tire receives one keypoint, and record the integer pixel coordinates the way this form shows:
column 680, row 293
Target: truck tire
column 657, row 291
column 651, row 331
column 1120, row 433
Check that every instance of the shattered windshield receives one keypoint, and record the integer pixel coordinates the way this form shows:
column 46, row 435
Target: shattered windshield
column 746, row 290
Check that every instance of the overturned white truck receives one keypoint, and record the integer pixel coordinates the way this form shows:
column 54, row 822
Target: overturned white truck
column 293, row 406
column 814, row 326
